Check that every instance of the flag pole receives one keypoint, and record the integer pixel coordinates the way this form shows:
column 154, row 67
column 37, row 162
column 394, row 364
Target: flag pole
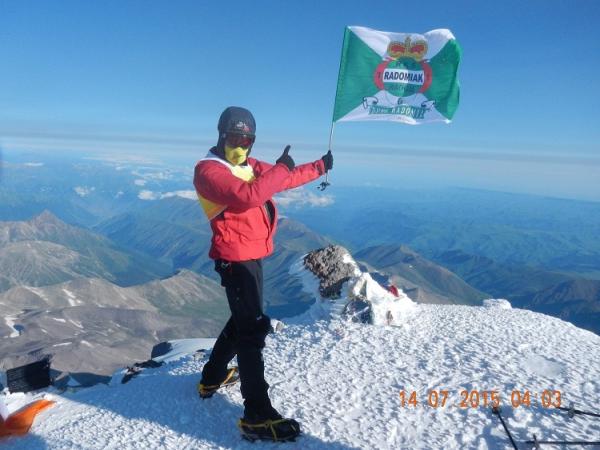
column 326, row 183
column 331, row 134
column 330, row 142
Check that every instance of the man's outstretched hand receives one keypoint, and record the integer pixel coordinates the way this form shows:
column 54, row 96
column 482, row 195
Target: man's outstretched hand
column 328, row 160
column 286, row 159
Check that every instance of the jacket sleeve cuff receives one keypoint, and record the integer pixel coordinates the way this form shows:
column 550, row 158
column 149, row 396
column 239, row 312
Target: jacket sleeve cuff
column 320, row 166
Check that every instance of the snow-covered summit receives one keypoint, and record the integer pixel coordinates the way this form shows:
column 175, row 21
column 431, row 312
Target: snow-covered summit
column 417, row 377
column 343, row 382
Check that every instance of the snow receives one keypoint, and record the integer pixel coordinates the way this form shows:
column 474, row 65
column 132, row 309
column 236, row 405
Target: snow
column 3, row 410
column 11, row 322
column 76, row 323
column 383, row 303
column 342, row 382
column 37, row 291
column 71, row 298
column 347, row 259
column 183, row 347
column 497, row 303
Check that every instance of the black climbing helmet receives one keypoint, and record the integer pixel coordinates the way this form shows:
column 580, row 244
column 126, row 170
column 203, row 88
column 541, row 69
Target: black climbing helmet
column 236, row 120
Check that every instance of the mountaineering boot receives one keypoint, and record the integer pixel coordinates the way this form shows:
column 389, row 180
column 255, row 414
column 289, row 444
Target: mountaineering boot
column 269, row 428
column 207, row 391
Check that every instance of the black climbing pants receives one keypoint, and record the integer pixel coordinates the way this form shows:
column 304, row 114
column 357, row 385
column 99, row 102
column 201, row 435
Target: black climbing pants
column 244, row 334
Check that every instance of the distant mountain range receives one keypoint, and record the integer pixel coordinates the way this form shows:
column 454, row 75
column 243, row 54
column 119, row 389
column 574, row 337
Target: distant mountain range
column 173, row 230
column 565, row 295
column 577, row 301
column 91, row 327
column 45, row 250
column 547, row 233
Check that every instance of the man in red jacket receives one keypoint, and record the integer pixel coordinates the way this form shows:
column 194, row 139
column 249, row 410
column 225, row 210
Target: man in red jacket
column 236, row 193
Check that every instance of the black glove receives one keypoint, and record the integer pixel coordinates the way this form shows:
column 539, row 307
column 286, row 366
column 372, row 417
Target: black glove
column 286, row 159
column 328, row 160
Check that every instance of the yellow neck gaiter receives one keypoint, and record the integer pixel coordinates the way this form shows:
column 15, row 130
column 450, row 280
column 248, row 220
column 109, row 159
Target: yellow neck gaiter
column 236, row 156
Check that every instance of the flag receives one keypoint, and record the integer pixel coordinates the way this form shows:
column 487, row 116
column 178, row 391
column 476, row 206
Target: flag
column 401, row 77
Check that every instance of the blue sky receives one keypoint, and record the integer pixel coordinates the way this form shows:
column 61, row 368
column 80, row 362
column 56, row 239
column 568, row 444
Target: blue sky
column 154, row 76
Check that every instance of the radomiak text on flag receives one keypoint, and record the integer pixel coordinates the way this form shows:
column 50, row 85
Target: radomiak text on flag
column 403, row 76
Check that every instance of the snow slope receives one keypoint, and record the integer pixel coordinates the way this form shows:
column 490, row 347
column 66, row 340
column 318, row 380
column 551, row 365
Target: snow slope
column 342, row 382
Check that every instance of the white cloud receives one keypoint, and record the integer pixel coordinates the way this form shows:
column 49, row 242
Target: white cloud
column 191, row 195
column 148, row 195
column 33, row 164
column 140, row 182
column 119, row 194
column 154, row 175
column 124, row 159
column 303, row 197
column 83, row 191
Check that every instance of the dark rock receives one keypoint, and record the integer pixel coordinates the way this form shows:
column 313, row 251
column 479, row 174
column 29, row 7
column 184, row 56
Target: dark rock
column 328, row 265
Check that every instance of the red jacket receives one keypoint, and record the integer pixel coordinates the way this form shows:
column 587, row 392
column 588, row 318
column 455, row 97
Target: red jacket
column 245, row 230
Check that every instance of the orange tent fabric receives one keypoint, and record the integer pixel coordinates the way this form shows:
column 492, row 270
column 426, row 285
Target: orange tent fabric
column 19, row 422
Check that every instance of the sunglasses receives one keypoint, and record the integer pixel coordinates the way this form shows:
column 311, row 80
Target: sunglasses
column 239, row 140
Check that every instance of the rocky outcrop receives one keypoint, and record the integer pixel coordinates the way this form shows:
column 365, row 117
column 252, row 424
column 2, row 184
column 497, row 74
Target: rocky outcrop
column 331, row 266
column 346, row 291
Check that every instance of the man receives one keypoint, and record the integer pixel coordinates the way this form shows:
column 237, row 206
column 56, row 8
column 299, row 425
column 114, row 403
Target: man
column 235, row 192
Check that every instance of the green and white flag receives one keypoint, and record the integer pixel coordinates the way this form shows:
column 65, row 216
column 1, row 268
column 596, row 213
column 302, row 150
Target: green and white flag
column 400, row 77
